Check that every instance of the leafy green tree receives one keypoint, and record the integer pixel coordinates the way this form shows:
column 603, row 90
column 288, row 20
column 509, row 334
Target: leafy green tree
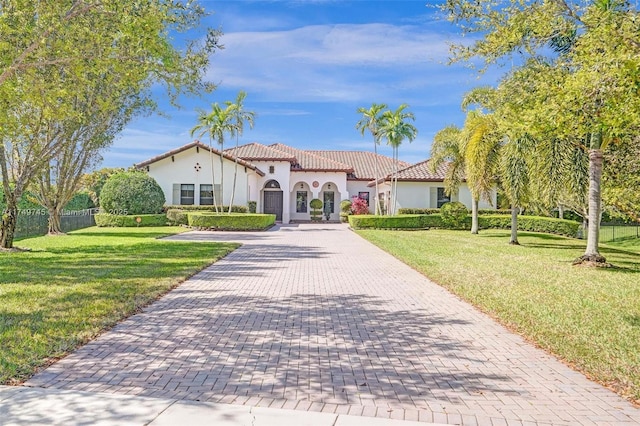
column 395, row 128
column 621, row 179
column 51, row 50
column 239, row 117
column 371, row 120
column 131, row 193
column 216, row 124
column 579, row 77
column 93, row 181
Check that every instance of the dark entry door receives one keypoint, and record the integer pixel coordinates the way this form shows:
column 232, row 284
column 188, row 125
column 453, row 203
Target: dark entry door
column 273, row 203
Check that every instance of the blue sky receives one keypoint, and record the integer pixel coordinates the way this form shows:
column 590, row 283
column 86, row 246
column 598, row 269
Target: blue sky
column 308, row 65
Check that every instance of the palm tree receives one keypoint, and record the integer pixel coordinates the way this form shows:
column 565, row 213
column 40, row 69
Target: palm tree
column 481, row 142
column 514, row 178
column 370, row 120
column 215, row 124
column 447, row 146
column 239, row 116
column 395, row 128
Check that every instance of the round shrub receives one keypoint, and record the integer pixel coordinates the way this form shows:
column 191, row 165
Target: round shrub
column 345, row 206
column 359, row 206
column 131, row 193
column 454, row 214
column 316, row 204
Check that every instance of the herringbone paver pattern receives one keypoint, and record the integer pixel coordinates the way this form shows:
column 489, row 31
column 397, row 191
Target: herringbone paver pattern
column 312, row 317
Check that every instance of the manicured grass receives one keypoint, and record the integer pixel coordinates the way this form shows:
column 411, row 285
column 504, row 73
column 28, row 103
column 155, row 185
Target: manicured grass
column 589, row 317
column 68, row 289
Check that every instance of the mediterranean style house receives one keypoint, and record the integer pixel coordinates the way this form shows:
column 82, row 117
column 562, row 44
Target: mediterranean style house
column 282, row 180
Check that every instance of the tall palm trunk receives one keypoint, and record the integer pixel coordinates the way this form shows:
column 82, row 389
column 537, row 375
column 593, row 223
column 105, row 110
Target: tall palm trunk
column 221, row 176
column 235, row 178
column 596, row 157
column 514, row 225
column 375, row 171
column 213, row 178
column 474, row 214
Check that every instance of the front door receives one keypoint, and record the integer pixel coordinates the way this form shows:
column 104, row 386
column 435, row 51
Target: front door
column 273, row 203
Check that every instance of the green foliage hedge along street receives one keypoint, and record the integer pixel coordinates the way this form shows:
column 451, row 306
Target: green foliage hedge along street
column 407, row 210
column 231, row 222
column 130, row 221
column 223, row 209
column 499, row 221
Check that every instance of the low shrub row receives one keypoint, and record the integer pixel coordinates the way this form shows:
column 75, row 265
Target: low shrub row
column 177, row 217
column 231, row 222
column 407, row 221
column 499, row 221
column 224, row 209
column 403, row 211
column 548, row 225
column 115, row 220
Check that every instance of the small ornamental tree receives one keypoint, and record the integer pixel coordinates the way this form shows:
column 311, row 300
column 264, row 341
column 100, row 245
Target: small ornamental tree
column 131, row 193
column 454, row 214
column 316, row 209
column 359, row 206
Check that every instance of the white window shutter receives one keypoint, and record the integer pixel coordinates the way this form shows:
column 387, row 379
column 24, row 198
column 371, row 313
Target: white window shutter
column 176, row 194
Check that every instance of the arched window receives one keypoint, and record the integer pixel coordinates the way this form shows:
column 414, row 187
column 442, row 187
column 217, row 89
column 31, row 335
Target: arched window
column 272, row 184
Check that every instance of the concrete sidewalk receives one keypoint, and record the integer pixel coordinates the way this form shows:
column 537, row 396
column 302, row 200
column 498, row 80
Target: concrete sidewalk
column 313, row 318
column 36, row 406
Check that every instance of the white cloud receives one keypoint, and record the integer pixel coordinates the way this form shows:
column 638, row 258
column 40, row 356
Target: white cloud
column 332, row 62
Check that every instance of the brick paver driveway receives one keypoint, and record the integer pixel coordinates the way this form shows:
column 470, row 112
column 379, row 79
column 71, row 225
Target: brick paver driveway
column 313, row 317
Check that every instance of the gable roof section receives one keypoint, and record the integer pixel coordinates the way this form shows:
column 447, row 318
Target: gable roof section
column 363, row 163
column 258, row 152
column 421, row 172
column 309, row 161
column 198, row 144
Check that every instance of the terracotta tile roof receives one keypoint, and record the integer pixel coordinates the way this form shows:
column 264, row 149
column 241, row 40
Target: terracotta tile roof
column 202, row 146
column 258, row 152
column 363, row 163
column 421, row 172
column 310, row 161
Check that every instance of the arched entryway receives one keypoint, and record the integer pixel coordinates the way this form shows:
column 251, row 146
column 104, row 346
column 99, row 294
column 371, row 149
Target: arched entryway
column 272, row 199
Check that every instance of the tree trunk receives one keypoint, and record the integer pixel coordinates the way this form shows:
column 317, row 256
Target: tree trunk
column 55, row 223
column 474, row 215
column 591, row 254
column 375, row 171
column 9, row 222
column 221, row 177
column 560, row 211
column 514, row 225
column 235, row 178
column 213, row 178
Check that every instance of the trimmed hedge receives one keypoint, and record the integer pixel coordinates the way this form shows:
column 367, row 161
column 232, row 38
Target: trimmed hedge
column 233, row 222
column 548, row 225
column 224, row 209
column 177, row 217
column 413, row 221
column 498, row 221
column 407, row 210
column 115, row 220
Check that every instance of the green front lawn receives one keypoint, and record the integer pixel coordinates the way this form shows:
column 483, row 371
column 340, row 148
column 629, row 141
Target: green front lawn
column 589, row 317
column 68, row 289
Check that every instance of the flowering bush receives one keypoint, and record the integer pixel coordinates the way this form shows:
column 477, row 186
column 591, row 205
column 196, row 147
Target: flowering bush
column 359, row 206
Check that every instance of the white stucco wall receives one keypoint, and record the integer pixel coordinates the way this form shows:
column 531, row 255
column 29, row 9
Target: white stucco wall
column 356, row 186
column 335, row 182
column 181, row 169
column 425, row 194
column 281, row 174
